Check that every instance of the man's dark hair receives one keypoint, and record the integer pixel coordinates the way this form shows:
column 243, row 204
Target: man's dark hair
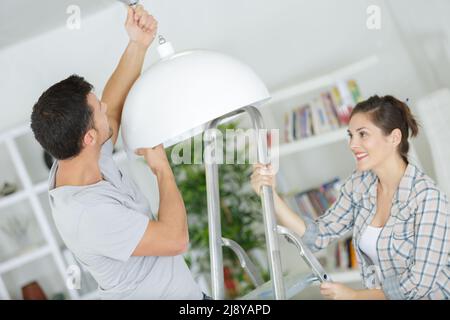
column 62, row 116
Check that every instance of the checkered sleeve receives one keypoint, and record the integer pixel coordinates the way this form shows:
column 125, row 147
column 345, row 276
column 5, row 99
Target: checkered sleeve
column 334, row 223
column 432, row 247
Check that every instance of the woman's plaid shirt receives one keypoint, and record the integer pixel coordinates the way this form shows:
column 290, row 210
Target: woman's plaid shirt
column 413, row 246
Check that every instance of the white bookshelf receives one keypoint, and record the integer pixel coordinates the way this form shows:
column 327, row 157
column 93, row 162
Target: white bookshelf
column 23, row 259
column 273, row 112
column 323, row 81
column 26, row 168
column 313, row 142
column 27, row 196
column 12, row 199
column 347, row 276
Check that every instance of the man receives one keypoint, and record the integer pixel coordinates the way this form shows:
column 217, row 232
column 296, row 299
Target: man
column 101, row 215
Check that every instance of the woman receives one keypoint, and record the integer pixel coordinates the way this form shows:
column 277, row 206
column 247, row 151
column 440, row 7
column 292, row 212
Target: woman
column 400, row 219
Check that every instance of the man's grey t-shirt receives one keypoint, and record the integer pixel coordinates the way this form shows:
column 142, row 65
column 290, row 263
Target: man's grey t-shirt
column 103, row 223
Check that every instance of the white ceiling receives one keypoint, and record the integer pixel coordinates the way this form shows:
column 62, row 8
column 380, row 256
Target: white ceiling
column 285, row 41
column 23, row 19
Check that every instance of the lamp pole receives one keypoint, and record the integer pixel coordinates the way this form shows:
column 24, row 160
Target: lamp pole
column 214, row 223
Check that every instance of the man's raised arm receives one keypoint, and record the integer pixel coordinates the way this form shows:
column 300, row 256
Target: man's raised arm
column 141, row 28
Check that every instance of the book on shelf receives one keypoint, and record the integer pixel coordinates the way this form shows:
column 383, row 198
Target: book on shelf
column 346, row 254
column 293, row 125
column 315, row 202
column 354, row 89
column 320, row 120
column 346, row 103
column 352, row 252
column 297, row 123
column 329, row 111
column 287, row 127
column 305, row 123
column 309, row 131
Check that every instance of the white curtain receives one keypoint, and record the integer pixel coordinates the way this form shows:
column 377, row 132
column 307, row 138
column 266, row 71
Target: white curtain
column 434, row 115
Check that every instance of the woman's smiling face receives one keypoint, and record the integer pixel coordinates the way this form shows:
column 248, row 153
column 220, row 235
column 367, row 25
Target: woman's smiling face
column 370, row 146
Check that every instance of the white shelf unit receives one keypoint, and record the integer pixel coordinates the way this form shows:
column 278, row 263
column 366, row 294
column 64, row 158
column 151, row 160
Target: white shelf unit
column 286, row 99
column 28, row 193
column 31, row 177
column 313, row 142
column 347, row 276
column 23, row 259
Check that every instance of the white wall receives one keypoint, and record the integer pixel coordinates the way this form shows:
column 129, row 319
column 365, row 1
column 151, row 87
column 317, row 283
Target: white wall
column 425, row 29
column 31, row 66
column 284, row 41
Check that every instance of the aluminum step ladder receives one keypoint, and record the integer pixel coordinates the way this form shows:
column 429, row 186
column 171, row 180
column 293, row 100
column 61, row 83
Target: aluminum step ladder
column 271, row 229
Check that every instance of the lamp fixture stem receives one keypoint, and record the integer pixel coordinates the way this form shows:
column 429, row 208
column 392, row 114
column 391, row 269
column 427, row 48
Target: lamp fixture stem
column 131, row 3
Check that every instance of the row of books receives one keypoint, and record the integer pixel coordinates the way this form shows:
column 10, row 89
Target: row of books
column 327, row 112
column 346, row 254
column 315, row 202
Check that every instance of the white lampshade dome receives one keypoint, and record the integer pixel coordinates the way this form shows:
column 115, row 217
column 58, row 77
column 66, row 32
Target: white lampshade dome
column 175, row 98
